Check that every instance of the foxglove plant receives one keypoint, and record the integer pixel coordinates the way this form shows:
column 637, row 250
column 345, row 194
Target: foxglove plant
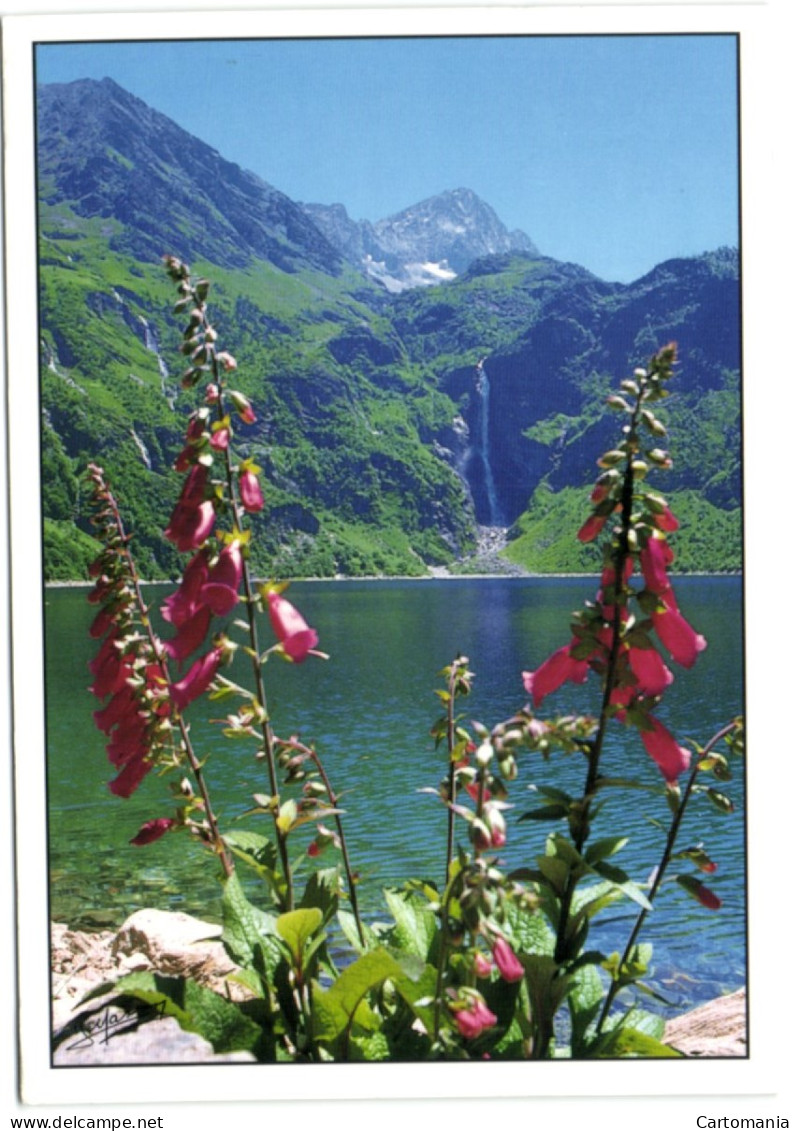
column 482, row 967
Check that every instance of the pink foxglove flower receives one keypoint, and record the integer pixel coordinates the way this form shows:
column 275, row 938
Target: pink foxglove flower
column 472, row 1021
column 220, row 439
column 592, row 527
column 195, row 486
column 191, row 635
column 555, row 671
column 677, row 635
column 197, row 680
column 190, row 526
column 250, row 492
column 291, row 629
column 483, row 965
column 655, row 557
column 153, row 830
column 119, row 708
column 221, row 590
column 243, row 407
column 181, row 605
column 510, row 967
column 653, row 676
column 131, row 776
column 670, row 758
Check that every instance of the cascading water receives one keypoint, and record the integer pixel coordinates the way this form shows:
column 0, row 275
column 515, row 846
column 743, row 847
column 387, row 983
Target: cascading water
column 151, row 343
column 484, row 451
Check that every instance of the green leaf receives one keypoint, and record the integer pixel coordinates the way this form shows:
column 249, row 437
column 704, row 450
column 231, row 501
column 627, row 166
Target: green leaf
column 720, row 801
column 607, row 846
column 322, row 891
column 196, row 1009
column 335, row 1010
column 620, row 878
column 555, row 872
column 247, row 930
column 555, row 794
column 297, row 927
column 370, row 1049
column 585, row 998
column 257, row 851
column 530, row 930
column 347, row 921
column 629, row 1042
column 553, row 812
column 415, row 925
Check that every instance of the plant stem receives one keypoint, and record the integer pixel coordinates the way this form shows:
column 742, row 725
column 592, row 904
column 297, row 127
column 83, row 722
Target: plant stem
column 451, row 769
column 581, row 834
column 677, row 819
column 351, row 883
column 261, row 696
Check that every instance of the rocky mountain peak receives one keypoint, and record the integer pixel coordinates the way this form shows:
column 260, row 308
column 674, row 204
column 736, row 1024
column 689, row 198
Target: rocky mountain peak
column 428, row 243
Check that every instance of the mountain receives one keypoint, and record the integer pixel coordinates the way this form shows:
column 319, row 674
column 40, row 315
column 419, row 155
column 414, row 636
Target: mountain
column 429, row 243
column 111, row 156
column 391, row 425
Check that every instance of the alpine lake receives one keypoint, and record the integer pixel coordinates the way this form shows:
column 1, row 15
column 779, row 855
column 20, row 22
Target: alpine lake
column 369, row 709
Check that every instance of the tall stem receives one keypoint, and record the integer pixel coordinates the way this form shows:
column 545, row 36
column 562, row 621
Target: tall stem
column 261, row 696
column 677, row 819
column 310, row 752
column 451, row 769
column 581, row 833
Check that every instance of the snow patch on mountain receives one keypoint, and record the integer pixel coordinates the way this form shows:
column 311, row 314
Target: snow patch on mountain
column 429, row 243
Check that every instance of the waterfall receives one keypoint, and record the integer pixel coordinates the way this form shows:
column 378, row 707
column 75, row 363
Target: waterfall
column 495, row 514
column 151, row 343
column 143, row 452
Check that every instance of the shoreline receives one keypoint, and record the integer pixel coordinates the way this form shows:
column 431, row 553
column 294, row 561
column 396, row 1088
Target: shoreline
column 77, row 584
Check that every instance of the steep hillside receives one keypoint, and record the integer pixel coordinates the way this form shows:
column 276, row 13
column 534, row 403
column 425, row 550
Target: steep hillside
column 390, row 426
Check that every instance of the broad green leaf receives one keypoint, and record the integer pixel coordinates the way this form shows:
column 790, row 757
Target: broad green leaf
column 297, row 927
column 370, row 1049
column 337, row 1008
column 585, row 998
column 322, row 891
column 417, row 987
column 415, row 924
column 555, row 871
column 247, row 930
column 555, row 794
column 530, row 929
column 255, row 850
column 645, row 1022
column 347, row 921
column 546, row 986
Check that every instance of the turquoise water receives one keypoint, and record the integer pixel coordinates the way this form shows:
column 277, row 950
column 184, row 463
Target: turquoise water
column 369, row 710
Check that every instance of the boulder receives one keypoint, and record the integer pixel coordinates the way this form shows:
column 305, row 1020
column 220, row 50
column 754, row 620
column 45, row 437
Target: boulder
column 171, row 943
column 718, row 1028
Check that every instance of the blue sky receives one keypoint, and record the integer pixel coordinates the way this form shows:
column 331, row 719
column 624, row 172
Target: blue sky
column 615, row 152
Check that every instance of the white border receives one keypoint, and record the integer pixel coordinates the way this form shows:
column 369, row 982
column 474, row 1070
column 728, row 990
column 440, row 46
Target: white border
column 766, row 1071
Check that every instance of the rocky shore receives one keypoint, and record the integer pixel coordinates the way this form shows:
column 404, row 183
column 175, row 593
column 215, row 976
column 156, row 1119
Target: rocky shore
column 174, row 943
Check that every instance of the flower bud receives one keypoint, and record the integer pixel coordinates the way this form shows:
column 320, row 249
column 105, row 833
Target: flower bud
column 611, row 458
column 484, row 755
